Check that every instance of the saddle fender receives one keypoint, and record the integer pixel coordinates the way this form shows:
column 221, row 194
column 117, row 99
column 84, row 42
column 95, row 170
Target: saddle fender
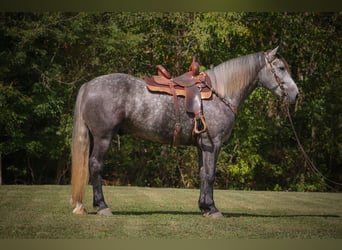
column 193, row 99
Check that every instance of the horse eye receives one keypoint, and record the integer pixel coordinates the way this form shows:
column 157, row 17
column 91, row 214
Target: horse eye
column 282, row 68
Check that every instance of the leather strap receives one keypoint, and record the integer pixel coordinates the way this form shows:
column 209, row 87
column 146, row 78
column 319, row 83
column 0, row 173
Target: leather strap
column 178, row 127
column 163, row 72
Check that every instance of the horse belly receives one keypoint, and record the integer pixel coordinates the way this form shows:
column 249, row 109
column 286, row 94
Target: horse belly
column 154, row 119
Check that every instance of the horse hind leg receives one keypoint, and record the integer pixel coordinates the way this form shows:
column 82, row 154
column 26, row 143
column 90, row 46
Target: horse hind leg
column 100, row 148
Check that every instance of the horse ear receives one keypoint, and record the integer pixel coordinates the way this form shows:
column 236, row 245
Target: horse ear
column 271, row 54
column 275, row 50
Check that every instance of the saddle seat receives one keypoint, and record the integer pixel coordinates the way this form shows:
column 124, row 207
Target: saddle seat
column 192, row 85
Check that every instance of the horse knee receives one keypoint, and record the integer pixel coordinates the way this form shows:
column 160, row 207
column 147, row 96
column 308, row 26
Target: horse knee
column 96, row 167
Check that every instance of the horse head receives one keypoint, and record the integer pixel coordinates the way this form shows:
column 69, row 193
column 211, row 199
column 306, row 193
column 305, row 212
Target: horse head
column 276, row 77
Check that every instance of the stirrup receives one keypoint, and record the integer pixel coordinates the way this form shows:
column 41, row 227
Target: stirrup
column 200, row 125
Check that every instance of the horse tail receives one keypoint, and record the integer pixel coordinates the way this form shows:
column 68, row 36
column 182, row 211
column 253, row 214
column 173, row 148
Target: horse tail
column 80, row 156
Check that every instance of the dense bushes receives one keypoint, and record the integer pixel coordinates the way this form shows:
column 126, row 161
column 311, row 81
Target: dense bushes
column 45, row 58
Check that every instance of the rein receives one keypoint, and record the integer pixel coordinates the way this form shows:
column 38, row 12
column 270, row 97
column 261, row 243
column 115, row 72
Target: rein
column 312, row 166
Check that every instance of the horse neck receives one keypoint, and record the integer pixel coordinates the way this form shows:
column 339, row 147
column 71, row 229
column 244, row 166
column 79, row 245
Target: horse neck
column 237, row 78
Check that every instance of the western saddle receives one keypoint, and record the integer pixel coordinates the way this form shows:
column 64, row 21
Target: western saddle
column 192, row 85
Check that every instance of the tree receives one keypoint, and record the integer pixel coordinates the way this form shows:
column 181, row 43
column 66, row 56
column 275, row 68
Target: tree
column 45, row 57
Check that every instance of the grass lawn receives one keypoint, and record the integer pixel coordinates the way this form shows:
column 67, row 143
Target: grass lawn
column 162, row 213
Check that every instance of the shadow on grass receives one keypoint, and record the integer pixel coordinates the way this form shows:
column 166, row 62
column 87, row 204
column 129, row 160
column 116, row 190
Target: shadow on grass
column 227, row 215
column 280, row 215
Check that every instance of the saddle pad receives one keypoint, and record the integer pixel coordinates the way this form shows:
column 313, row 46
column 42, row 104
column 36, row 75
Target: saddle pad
column 162, row 84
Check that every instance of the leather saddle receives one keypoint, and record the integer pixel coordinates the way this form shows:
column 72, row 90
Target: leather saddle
column 192, row 85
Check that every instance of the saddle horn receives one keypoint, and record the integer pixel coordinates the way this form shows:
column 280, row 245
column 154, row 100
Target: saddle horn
column 194, row 66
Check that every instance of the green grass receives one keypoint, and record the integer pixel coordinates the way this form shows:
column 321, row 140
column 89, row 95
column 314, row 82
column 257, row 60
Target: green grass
column 160, row 213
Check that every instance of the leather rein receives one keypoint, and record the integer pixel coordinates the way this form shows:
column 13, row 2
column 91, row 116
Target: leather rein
column 307, row 159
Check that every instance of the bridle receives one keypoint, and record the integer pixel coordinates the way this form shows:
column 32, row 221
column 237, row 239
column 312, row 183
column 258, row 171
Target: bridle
column 277, row 78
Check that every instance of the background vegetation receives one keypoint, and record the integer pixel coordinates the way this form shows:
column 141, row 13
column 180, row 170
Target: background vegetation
column 45, row 57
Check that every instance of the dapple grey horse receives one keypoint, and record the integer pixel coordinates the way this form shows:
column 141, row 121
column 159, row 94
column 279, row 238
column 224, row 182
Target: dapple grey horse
column 115, row 103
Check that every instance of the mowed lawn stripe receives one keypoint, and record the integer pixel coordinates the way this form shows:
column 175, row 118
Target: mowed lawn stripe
column 169, row 213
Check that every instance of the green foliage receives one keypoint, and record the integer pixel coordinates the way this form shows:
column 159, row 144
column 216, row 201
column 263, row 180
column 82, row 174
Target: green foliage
column 45, row 57
column 136, row 162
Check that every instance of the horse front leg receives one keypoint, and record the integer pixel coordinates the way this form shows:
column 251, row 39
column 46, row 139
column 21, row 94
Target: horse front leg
column 207, row 163
column 101, row 146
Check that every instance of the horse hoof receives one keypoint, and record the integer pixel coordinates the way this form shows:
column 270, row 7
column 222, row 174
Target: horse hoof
column 216, row 215
column 105, row 212
column 79, row 209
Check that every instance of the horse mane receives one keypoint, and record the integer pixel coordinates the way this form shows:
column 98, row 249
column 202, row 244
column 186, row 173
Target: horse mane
column 232, row 76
